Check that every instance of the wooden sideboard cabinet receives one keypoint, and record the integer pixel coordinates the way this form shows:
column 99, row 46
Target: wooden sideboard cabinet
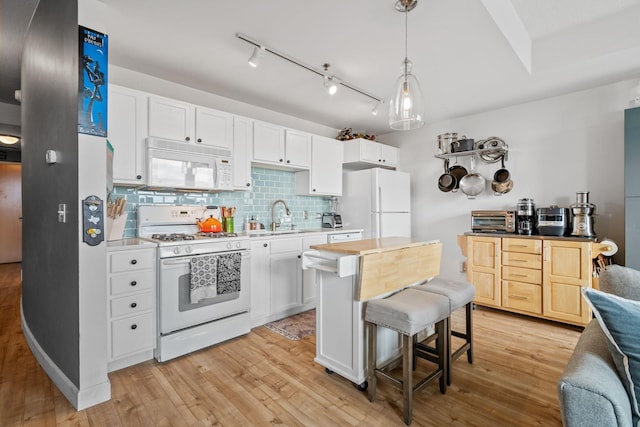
column 540, row 276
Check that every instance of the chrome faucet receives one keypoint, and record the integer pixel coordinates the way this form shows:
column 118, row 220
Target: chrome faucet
column 273, row 217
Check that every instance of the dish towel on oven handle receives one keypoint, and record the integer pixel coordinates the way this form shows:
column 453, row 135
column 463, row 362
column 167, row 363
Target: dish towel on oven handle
column 229, row 273
column 203, row 278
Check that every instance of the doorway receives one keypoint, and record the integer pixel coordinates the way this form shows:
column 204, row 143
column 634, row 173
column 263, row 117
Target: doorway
column 10, row 212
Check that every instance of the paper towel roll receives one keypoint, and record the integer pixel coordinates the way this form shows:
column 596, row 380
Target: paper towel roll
column 614, row 247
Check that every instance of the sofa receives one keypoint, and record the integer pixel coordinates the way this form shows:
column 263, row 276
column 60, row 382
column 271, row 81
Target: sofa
column 590, row 390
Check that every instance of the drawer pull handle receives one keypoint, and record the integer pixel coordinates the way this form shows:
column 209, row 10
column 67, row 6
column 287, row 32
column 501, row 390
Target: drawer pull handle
column 134, row 326
column 518, row 260
column 518, row 297
column 134, row 261
column 519, row 275
column 134, row 283
column 134, row 304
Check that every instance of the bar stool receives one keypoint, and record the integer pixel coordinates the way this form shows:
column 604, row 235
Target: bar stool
column 460, row 295
column 407, row 312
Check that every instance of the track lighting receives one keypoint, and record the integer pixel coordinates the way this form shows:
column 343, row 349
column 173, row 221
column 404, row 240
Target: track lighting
column 331, row 85
column 331, row 82
column 258, row 52
column 376, row 108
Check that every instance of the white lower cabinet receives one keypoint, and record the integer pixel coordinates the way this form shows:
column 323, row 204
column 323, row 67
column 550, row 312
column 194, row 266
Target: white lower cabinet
column 131, row 310
column 285, row 275
column 260, row 282
column 279, row 287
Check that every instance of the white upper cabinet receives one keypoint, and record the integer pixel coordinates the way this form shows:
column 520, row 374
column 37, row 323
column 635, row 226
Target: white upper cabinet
column 325, row 175
column 268, row 142
column 275, row 145
column 127, row 133
column 181, row 121
column 170, row 119
column 297, row 147
column 242, row 143
column 362, row 154
column 214, row 128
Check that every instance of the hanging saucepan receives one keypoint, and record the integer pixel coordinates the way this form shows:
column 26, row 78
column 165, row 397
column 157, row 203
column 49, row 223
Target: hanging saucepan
column 458, row 171
column 447, row 181
column 473, row 183
column 502, row 182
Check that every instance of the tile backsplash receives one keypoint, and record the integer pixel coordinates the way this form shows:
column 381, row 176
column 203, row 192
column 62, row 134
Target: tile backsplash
column 269, row 185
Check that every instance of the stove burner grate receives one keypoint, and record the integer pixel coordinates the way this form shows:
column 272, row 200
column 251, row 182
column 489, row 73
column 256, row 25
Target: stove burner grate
column 173, row 237
column 216, row 235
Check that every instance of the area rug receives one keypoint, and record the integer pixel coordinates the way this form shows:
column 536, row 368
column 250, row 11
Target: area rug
column 295, row 327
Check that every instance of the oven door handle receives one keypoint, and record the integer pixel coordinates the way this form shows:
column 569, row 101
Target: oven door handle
column 176, row 262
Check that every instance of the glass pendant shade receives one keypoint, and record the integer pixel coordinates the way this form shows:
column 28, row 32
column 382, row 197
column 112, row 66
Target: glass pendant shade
column 406, row 108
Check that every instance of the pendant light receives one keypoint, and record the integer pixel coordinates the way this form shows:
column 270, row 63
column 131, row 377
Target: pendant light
column 406, row 108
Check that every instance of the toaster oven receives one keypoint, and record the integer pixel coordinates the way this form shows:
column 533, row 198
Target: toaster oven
column 493, row 221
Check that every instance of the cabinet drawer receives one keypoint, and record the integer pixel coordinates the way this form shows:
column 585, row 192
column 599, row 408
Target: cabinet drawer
column 519, row 259
column 131, row 261
column 522, row 296
column 527, row 275
column 131, row 335
column 131, row 304
column 531, row 246
column 136, row 281
column 286, row 245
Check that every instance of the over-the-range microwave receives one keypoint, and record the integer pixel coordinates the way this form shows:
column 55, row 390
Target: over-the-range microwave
column 187, row 166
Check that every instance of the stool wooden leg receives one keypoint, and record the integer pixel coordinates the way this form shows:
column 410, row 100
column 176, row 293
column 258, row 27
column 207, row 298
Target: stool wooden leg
column 407, row 380
column 469, row 324
column 371, row 360
column 444, row 352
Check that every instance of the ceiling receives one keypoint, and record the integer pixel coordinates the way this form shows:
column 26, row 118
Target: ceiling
column 468, row 55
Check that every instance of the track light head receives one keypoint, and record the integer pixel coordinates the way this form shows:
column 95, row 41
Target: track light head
column 331, row 84
column 376, row 108
column 258, row 52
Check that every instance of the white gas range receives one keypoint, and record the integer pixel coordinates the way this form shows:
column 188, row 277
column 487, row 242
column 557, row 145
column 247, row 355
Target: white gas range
column 203, row 280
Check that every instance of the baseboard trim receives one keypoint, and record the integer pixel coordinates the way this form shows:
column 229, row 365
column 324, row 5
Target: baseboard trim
column 79, row 398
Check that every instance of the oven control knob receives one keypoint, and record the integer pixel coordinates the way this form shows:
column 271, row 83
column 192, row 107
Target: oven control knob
column 188, row 249
column 228, row 245
column 176, row 250
column 238, row 245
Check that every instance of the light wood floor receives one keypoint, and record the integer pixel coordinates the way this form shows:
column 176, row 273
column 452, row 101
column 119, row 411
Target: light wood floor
column 264, row 379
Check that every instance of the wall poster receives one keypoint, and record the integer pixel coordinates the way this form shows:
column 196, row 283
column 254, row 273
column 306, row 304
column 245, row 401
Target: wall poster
column 92, row 82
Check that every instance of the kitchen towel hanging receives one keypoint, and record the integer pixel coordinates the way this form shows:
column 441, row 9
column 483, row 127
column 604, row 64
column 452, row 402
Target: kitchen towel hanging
column 203, row 278
column 229, row 273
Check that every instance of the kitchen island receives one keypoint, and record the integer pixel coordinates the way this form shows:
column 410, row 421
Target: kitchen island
column 349, row 274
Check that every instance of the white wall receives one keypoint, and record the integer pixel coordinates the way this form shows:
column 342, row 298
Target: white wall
column 557, row 146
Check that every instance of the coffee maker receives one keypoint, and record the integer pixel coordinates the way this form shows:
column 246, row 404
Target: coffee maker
column 582, row 216
column 526, row 217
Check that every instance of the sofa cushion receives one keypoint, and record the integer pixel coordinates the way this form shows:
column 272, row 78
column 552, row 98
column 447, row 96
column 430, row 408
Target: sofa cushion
column 621, row 281
column 619, row 319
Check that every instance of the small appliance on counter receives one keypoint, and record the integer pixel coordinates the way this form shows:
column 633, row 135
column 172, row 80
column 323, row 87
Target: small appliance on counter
column 582, row 215
column 526, row 216
column 331, row 220
column 552, row 221
column 493, row 221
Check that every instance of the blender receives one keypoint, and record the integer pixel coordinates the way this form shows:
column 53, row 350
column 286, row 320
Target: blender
column 582, row 215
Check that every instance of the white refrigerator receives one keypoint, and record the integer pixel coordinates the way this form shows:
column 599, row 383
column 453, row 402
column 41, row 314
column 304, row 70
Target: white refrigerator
column 378, row 201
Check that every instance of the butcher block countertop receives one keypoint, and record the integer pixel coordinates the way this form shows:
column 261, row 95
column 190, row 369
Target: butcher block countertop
column 370, row 246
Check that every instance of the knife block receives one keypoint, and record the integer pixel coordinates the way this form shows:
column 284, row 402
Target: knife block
column 115, row 227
